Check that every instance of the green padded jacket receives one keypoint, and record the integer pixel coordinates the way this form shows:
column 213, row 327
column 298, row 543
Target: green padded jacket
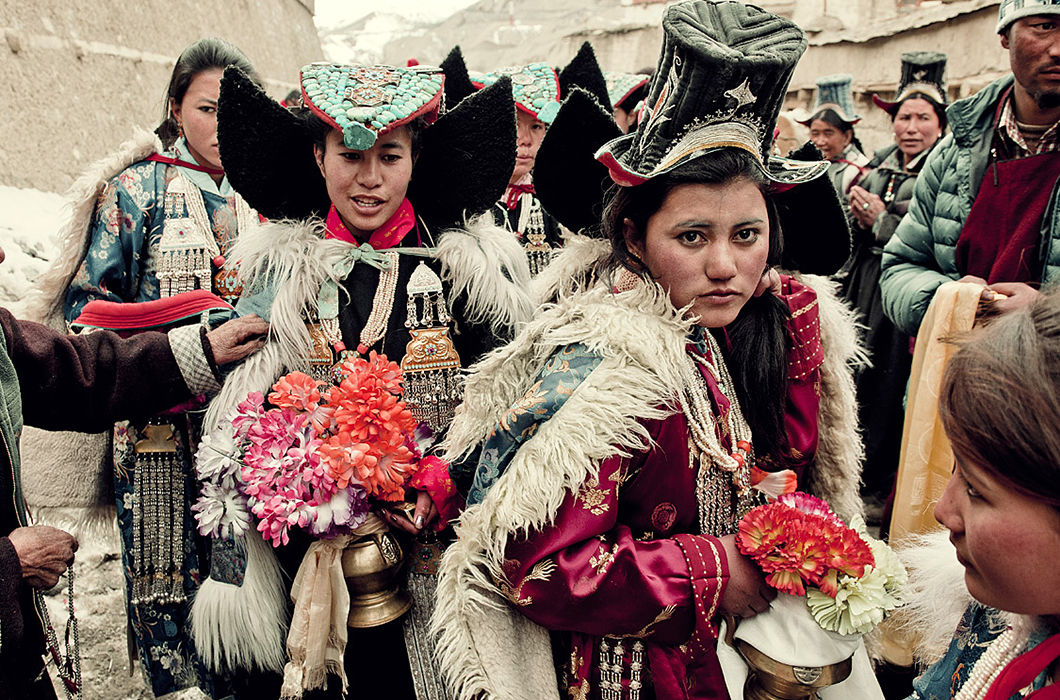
column 921, row 254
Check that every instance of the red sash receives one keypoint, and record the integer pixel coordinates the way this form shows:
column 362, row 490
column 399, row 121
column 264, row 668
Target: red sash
column 1002, row 236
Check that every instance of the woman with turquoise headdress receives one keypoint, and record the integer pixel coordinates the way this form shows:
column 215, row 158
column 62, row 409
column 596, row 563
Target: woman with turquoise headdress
column 627, row 92
column 673, row 379
column 381, row 243
column 536, row 90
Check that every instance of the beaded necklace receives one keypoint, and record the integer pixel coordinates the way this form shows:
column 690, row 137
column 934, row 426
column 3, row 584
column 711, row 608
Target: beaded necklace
column 188, row 249
column 720, row 472
column 999, row 654
column 68, row 663
column 530, row 229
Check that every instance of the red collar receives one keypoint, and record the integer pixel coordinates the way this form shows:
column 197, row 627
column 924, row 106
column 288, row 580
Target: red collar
column 515, row 191
column 392, row 232
column 184, row 164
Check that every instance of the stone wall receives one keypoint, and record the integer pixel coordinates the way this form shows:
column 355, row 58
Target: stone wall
column 78, row 77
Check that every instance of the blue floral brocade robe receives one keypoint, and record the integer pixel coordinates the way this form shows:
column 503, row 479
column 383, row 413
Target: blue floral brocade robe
column 120, row 265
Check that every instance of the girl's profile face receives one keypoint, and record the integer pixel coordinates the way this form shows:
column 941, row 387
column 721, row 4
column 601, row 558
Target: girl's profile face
column 529, row 132
column 707, row 245
column 1008, row 543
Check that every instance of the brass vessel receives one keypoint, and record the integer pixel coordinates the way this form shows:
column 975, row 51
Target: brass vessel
column 371, row 565
column 769, row 679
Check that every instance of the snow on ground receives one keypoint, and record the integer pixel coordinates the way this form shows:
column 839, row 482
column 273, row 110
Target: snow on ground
column 29, row 222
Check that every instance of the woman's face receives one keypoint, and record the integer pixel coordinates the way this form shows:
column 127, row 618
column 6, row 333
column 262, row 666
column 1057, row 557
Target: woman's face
column 197, row 116
column 707, row 245
column 1008, row 543
column 367, row 187
column 830, row 140
column 916, row 126
column 528, row 134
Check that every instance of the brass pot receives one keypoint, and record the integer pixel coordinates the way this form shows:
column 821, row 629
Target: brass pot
column 769, row 679
column 371, row 565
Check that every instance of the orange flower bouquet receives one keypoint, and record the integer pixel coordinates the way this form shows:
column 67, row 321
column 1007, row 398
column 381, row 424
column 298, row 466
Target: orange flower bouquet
column 835, row 583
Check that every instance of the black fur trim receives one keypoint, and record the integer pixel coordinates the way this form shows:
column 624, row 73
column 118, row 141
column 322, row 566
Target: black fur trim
column 584, row 72
column 267, row 152
column 467, row 157
column 816, row 230
column 457, row 83
column 569, row 181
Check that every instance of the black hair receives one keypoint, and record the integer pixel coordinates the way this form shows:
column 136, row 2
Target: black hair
column 293, row 99
column 831, row 117
column 203, row 55
column 319, row 129
column 940, row 109
column 756, row 349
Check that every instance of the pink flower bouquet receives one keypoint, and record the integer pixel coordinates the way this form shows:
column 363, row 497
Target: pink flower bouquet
column 314, row 457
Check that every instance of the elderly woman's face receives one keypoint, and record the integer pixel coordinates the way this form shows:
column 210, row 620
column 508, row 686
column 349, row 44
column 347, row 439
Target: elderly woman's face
column 707, row 246
column 916, row 126
column 1008, row 543
column 830, row 140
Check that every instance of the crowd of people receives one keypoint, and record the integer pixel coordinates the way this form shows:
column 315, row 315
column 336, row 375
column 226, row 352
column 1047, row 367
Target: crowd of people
column 620, row 319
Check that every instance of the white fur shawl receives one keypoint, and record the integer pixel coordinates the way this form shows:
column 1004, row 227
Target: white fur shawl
column 485, row 648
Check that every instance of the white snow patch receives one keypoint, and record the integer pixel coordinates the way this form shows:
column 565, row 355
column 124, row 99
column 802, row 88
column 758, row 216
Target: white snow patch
column 29, row 222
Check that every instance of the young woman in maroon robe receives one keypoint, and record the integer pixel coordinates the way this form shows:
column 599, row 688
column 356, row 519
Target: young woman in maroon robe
column 609, row 451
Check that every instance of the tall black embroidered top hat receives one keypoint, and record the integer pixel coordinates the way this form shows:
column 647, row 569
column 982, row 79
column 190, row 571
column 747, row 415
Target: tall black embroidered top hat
column 720, row 83
column 923, row 75
column 465, row 159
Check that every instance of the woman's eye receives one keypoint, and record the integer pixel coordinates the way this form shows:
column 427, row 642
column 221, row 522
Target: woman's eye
column 351, row 155
column 748, row 235
column 207, row 109
column 970, row 490
column 690, row 236
column 391, row 158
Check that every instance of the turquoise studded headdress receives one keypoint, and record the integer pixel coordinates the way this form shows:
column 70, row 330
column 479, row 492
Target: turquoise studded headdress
column 535, row 88
column 621, row 85
column 464, row 163
column 365, row 101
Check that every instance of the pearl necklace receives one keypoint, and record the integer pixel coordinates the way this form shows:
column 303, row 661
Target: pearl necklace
column 997, row 656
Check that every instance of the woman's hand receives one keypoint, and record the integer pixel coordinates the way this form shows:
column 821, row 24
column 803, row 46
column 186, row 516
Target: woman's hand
column 235, row 339
column 770, row 282
column 865, row 206
column 747, row 593
column 424, row 514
